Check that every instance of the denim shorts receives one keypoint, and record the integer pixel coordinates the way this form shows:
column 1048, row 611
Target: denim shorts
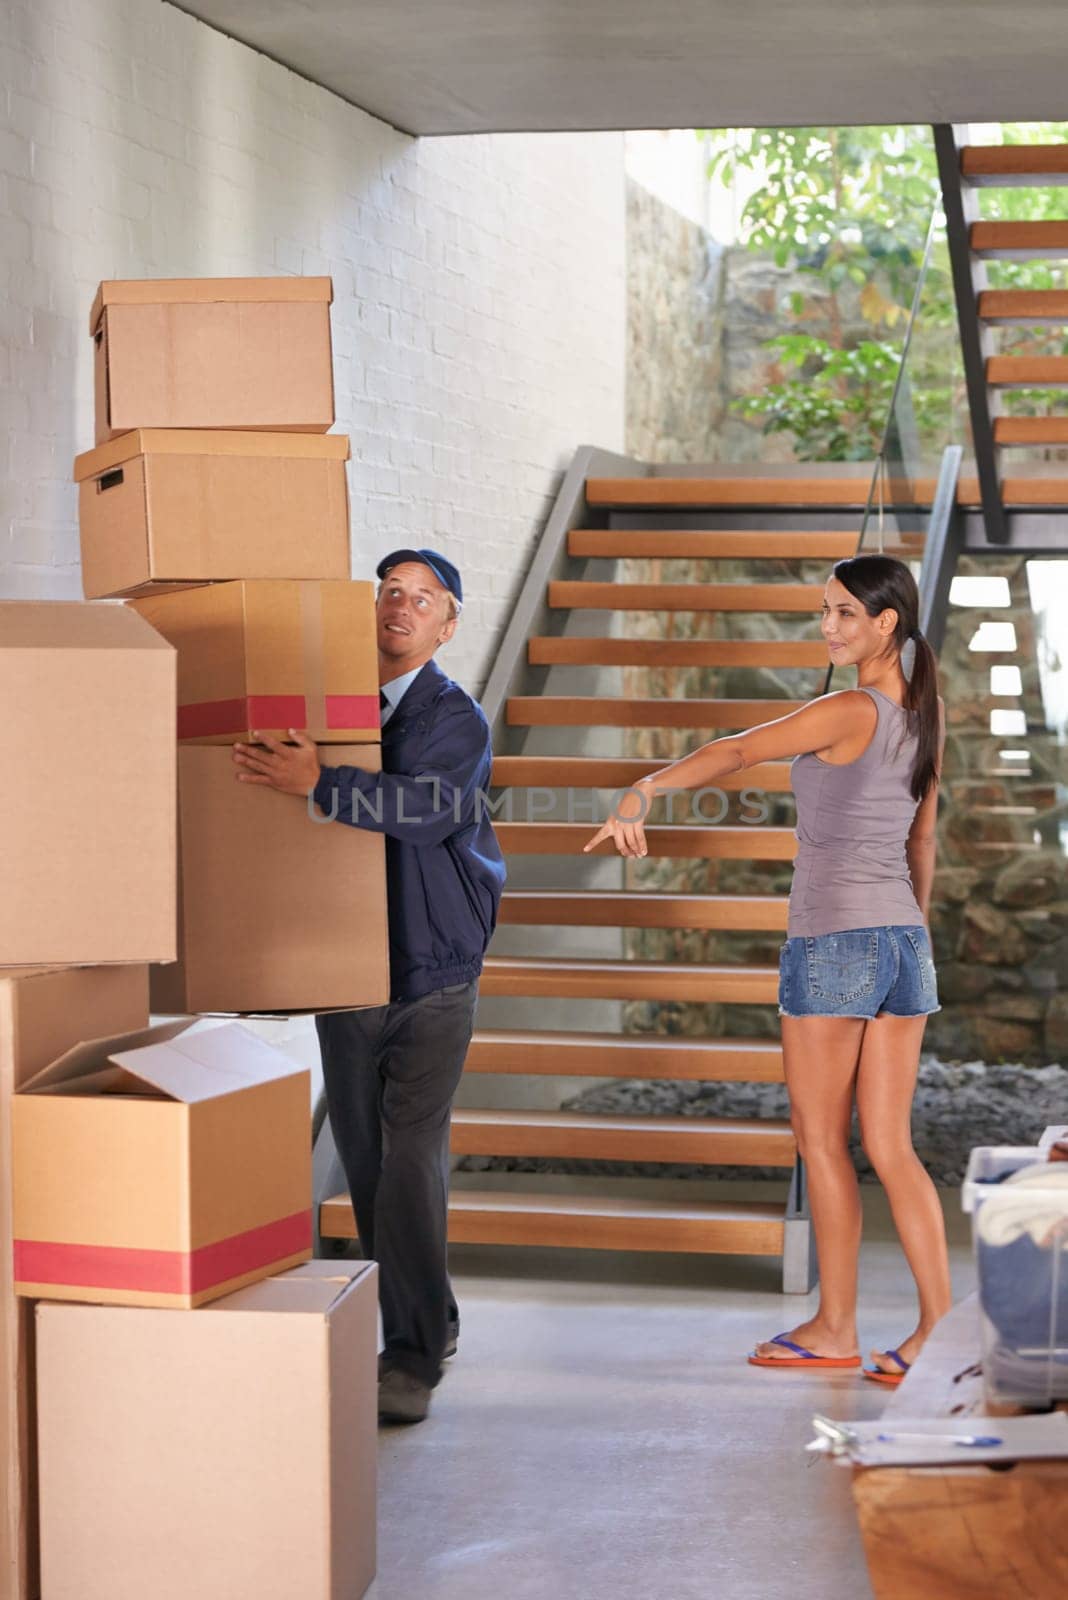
column 862, row 972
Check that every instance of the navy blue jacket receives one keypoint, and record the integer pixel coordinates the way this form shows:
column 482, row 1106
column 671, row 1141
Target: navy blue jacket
column 444, row 868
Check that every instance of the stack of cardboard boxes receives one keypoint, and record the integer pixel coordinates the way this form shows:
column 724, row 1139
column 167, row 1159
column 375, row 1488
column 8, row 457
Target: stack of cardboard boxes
column 223, row 513
column 228, row 1450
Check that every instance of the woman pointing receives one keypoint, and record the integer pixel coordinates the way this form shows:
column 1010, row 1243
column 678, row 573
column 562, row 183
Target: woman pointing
column 857, row 978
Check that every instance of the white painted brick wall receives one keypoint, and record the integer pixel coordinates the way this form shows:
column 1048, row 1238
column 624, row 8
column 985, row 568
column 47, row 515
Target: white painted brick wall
column 479, row 300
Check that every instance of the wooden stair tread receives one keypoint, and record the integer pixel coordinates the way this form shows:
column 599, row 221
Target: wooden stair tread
column 716, row 1141
column 1026, row 371
column 1051, row 492
column 1012, row 165
column 567, row 977
column 1030, row 430
column 582, row 595
column 691, row 1058
column 1021, row 491
column 596, row 772
column 619, row 909
column 603, row 651
column 595, row 711
column 1009, row 239
column 702, row 544
column 742, row 490
column 611, row 1222
column 1023, row 306
column 714, row 842
column 585, row 1121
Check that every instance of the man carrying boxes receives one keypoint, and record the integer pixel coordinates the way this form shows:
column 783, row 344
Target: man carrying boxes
column 391, row 1071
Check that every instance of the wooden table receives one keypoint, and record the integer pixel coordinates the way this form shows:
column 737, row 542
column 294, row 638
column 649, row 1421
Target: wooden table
column 967, row 1532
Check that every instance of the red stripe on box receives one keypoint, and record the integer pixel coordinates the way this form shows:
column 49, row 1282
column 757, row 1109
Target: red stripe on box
column 277, row 711
column 209, row 717
column 213, row 716
column 352, row 711
column 235, row 716
column 102, row 1266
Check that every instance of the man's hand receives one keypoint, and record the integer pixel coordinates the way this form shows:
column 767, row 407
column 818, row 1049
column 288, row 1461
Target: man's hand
column 626, row 826
column 289, row 768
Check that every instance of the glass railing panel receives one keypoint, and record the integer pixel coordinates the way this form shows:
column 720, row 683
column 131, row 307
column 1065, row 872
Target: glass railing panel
column 928, row 411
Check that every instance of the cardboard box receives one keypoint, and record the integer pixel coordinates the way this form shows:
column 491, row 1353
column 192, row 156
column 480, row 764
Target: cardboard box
column 213, row 353
column 170, row 508
column 270, row 656
column 161, row 1168
column 227, row 1455
column 87, row 806
column 43, row 1011
column 277, row 912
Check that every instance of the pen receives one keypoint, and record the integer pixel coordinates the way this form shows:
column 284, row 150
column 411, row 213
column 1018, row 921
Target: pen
column 982, row 1441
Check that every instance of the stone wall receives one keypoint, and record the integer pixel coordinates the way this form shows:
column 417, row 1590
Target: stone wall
column 999, row 912
column 698, row 316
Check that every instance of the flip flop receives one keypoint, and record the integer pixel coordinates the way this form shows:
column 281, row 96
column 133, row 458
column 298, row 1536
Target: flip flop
column 800, row 1358
column 892, row 1378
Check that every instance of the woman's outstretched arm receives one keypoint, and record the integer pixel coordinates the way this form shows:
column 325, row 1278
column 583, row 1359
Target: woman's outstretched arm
column 835, row 722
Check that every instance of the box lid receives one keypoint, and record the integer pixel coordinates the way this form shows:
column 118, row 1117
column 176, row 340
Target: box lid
column 193, row 291
column 74, row 625
column 317, row 1288
column 208, row 442
column 177, row 1059
column 90, row 1055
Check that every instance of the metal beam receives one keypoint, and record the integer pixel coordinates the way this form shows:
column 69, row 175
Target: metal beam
column 961, row 207
column 800, row 1269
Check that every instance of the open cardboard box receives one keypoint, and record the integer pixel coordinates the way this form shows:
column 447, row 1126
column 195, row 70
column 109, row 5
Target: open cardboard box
column 224, row 1454
column 213, row 353
column 87, row 790
column 166, row 1168
column 170, row 508
column 43, row 1012
column 268, row 656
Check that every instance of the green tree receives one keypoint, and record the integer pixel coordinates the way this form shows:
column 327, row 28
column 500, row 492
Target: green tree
column 851, row 207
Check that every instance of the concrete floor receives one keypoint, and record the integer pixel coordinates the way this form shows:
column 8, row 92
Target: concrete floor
column 600, row 1435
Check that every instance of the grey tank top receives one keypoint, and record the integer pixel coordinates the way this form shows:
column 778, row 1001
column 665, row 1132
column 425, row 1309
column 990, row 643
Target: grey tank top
column 852, row 825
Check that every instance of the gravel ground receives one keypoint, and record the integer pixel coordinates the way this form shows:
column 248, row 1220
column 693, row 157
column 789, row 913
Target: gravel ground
column 957, row 1105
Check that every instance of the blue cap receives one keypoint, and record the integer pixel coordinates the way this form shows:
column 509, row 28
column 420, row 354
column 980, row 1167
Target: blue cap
column 440, row 566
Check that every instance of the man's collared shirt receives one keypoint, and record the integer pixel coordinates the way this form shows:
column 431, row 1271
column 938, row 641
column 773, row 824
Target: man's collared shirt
column 393, row 693
column 444, row 868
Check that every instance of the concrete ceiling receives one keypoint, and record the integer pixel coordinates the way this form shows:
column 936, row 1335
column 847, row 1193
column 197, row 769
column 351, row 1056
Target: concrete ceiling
column 479, row 66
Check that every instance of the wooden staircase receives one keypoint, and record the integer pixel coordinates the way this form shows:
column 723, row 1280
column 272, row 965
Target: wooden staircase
column 991, row 372
column 536, row 1212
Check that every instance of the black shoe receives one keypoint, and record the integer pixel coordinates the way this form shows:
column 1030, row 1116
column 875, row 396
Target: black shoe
column 402, row 1397
column 452, row 1340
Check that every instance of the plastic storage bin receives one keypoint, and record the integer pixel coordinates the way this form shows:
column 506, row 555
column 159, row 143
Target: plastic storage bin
column 989, row 1165
column 1020, row 1232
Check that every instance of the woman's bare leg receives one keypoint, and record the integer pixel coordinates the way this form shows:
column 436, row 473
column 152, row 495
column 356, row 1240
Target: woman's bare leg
column 820, row 1055
column 886, row 1082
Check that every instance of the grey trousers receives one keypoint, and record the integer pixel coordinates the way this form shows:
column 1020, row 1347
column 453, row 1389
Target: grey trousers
column 390, row 1074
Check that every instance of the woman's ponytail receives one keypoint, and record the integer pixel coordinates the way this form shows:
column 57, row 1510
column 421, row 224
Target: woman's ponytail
column 881, row 583
column 921, row 700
